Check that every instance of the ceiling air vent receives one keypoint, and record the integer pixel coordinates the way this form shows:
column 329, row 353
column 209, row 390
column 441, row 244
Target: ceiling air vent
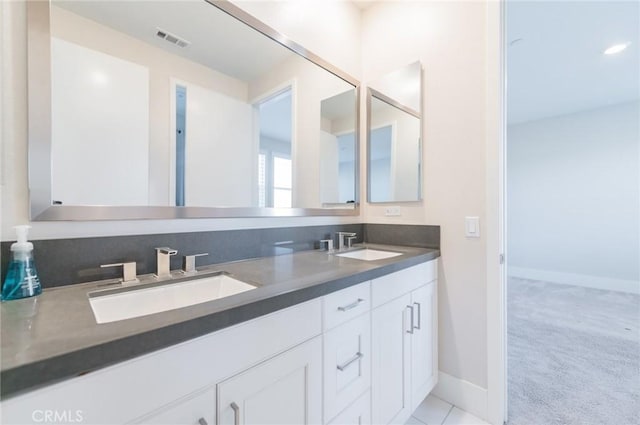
column 172, row 38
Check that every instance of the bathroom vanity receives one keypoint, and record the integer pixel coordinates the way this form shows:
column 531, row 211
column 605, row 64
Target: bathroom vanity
column 322, row 339
column 308, row 337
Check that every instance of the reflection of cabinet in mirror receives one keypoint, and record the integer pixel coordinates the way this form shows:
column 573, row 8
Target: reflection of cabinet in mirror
column 163, row 104
column 338, row 151
column 394, row 158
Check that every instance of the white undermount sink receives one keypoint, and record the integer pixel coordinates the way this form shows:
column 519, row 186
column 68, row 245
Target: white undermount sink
column 368, row 254
column 126, row 303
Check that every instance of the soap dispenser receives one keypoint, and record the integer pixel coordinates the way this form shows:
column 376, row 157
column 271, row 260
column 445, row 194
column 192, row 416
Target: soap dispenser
column 22, row 279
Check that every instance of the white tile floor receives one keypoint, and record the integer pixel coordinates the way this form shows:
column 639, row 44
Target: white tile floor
column 433, row 411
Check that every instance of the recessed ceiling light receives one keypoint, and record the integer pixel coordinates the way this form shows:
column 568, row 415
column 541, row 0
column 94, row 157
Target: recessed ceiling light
column 616, row 48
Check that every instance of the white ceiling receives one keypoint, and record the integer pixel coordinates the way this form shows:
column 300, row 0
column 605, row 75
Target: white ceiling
column 364, row 4
column 218, row 40
column 559, row 67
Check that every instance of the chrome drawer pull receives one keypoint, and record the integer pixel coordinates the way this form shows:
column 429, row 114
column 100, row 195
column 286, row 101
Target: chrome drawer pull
column 419, row 314
column 358, row 356
column 352, row 305
column 410, row 331
column 202, row 421
column 236, row 413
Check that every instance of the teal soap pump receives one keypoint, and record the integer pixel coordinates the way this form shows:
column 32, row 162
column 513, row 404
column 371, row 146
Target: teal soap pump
column 22, row 279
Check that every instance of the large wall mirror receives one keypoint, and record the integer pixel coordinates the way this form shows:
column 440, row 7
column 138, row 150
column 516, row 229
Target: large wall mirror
column 394, row 162
column 180, row 109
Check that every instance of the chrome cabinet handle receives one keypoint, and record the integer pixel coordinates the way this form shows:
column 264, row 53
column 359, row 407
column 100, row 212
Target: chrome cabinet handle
column 419, row 314
column 350, row 306
column 410, row 331
column 236, row 413
column 202, row 421
column 358, row 356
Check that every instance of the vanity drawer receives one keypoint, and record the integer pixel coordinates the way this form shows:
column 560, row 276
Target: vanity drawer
column 359, row 413
column 391, row 286
column 346, row 304
column 197, row 409
column 347, row 364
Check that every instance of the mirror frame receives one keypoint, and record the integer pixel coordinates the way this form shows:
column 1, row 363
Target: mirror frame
column 371, row 93
column 39, row 135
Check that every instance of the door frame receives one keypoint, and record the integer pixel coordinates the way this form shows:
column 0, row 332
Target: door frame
column 496, row 212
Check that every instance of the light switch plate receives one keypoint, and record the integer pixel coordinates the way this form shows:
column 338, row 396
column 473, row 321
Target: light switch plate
column 472, row 227
column 392, row 212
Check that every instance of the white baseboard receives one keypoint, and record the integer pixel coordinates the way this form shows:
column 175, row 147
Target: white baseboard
column 597, row 282
column 462, row 394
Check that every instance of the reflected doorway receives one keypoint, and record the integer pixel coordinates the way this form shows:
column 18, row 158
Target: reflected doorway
column 275, row 167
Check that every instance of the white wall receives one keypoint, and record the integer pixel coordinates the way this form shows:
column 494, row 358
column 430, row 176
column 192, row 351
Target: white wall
column 574, row 198
column 220, row 150
column 451, row 41
column 328, row 31
column 99, row 127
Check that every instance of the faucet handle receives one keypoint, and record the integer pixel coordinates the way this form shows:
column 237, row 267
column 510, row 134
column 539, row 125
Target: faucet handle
column 350, row 240
column 189, row 263
column 329, row 243
column 166, row 250
column 128, row 271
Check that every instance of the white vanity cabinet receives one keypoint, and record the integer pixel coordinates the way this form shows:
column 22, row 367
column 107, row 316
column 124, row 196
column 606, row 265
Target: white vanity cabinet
column 404, row 341
column 180, row 384
column 362, row 355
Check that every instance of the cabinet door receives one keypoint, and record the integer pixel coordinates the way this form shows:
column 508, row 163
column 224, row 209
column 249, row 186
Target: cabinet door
column 286, row 389
column 391, row 358
column 422, row 344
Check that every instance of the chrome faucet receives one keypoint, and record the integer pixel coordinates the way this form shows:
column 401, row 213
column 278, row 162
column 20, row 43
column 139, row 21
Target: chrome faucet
column 163, row 256
column 345, row 239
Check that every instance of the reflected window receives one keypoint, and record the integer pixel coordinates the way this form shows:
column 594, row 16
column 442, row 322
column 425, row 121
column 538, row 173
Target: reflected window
column 262, row 180
column 282, row 182
column 275, row 181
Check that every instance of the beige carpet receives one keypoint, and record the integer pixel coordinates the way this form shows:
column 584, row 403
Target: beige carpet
column 574, row 355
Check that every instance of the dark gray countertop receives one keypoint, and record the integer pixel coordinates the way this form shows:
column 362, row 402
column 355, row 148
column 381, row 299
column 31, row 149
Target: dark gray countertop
column 55, row 336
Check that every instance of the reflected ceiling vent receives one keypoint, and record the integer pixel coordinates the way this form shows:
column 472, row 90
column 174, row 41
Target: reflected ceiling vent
column 172, row 38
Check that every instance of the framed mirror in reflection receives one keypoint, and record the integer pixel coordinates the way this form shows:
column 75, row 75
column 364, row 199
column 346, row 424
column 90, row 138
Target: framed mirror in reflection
column 394, row 118
column 171, row 109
